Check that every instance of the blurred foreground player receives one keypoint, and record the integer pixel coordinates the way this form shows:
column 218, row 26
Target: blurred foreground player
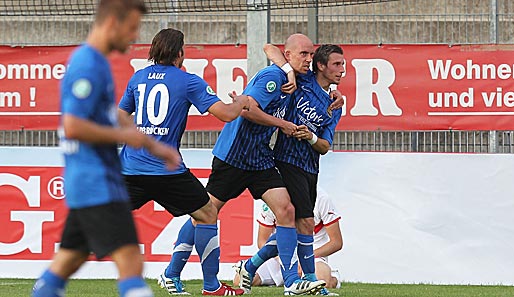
column 99, row 220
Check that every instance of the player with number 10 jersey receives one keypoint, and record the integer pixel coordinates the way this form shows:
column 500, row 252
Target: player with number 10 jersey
column 160, row 96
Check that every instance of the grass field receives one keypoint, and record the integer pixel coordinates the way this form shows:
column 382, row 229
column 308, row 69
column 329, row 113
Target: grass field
column 102, row 288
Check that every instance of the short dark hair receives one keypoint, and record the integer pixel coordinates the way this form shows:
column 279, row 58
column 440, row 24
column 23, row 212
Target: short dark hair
column 322, row 53
column 166, row 46
column 118, row 8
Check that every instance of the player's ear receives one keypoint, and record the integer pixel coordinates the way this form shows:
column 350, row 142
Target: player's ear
column 112, row 21
column 287, row 55
column 321, row 67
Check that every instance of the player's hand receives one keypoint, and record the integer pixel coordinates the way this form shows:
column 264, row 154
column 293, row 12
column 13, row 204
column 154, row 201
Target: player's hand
column 132, row 137
column 288, row 128
column 290, row 86
column 242, row 99
column 167, row 153
column 302, row 132
column 338, row 98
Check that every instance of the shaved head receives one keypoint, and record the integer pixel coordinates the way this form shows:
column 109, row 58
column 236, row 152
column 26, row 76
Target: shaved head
column 295, row 40
column 298, row 51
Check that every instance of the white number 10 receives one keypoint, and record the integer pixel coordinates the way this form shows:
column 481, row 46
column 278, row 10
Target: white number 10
column 150, row 104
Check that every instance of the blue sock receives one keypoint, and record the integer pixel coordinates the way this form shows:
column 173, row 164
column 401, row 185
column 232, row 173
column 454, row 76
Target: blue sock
column 268, row 251
column 134, row 286
column 49, row 285
column 207, row 246
column 306, row 255
column 182, row 250
column 287, row 243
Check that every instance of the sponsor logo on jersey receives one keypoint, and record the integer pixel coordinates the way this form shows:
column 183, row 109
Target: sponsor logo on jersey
column 271, row 86
column 280, row 112
column 308, row 114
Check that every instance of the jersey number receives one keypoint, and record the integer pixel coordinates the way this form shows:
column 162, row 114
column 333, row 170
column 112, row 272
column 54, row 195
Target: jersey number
column 150, row 104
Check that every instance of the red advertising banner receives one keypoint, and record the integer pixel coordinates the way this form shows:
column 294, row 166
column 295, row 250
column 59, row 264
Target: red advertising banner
column 34, row 213
column 29, row 80
column 389, row 87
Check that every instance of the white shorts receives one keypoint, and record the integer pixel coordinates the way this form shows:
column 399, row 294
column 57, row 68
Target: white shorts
column 271, row 274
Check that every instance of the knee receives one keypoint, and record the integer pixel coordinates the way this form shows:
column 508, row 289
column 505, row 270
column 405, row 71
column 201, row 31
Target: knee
column 285, row 215
column 208, row 214
column 305, row 225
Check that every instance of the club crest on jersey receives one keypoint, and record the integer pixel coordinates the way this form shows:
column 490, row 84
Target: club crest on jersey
column 81, row 88
column 329, row 111
column 271, row 86
column 265, row 207
column 210, row 91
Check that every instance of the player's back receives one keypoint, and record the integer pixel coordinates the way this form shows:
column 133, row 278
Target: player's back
column 161, row 96
column 244, row 144
column 92, row 171
column 325, row 214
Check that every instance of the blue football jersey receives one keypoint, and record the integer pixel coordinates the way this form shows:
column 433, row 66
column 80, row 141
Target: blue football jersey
column 244, row 144
column 160, row 96
column 308, row 106
column 92, row 171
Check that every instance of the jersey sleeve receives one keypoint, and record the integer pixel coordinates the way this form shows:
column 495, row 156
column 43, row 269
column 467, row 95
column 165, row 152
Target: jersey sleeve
column 266, row 87
column 266, row 216
column 328, row 132
column 200, row 94
column 325, row 209
column 81, row 92
column 128, row 100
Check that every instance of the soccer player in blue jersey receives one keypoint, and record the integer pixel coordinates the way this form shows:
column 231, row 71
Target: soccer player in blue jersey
column 160, row 95
column 243, row 159
column 99, row 219
column 297, row 158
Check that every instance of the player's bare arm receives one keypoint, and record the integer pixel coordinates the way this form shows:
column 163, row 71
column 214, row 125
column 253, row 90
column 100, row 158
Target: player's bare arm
column 132, row 137
column 125, row 119
column 338, row 98
column 275, row 55
column 290, row 86
column 229, row 112
column 318, row 144
column 256, row 115
column 87, row 131
column 263, row 234
column 334, row 244
column 168, row 154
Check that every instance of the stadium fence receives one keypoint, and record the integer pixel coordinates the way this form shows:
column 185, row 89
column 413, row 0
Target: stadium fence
column 65, row 22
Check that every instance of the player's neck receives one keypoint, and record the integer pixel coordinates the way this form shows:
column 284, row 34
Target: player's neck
column 323, row 83
column 99, row 40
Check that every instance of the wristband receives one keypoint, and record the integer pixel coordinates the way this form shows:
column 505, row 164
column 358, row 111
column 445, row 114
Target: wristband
column 313, row 140
column 286, row 68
